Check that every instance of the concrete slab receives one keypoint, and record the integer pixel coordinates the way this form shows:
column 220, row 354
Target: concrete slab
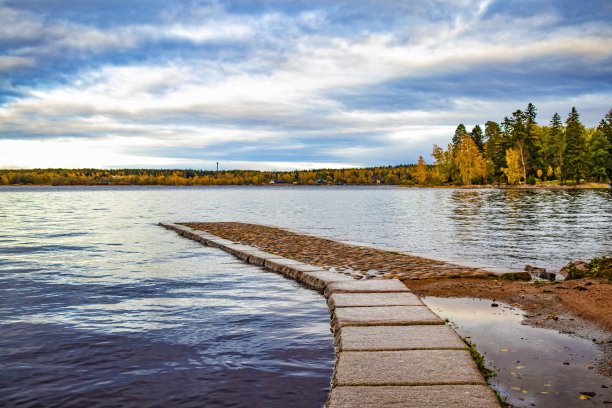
column 319, row 280
column 258, row 258
column 239, row 250
column 383, row 316
column 370, row 285
column 277, row 264
column 373, row 299
column 433, row 396
column 296, row 270
column 219, row 243
column 406, row 367
column 378, row 338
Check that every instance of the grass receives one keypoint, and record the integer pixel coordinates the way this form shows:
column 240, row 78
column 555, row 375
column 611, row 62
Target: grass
column 486, row 372
column 480, row 361
column 597, row 268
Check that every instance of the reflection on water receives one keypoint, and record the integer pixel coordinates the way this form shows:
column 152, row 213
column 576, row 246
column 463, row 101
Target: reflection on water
column 535, row 367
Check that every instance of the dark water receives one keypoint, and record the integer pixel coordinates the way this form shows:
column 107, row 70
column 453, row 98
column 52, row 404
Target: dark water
column 534, row 367
column 101, row 307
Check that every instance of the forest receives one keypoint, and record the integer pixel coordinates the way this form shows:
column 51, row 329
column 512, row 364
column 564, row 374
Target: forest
column 516, row 151
column 519, row 150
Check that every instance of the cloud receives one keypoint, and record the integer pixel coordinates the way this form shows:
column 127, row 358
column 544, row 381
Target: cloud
column 346, row 83
column 9, row 62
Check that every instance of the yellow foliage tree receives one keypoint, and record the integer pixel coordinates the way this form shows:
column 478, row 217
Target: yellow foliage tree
column 514, row 171
column 421, row 171
column 470, row 162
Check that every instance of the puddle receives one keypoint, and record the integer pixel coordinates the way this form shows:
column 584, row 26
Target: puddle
column 535, row 367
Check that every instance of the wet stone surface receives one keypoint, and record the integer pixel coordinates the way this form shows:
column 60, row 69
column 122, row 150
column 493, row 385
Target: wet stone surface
column 357, row 260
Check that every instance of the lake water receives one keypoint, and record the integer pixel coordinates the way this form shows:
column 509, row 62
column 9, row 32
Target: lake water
column 100, row 306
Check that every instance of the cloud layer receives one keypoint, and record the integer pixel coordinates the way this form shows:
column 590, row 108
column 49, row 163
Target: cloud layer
column 284, row 84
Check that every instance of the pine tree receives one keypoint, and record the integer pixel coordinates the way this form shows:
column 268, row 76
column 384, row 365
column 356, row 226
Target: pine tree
column 574, row 166
column 606, row 128
column 459, row 133
column 557, row 142
column 599, row 155
column 495, row 146
column 477, row 137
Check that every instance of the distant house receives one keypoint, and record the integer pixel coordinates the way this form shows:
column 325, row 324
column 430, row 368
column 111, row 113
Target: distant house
column 278, row 181
column 375, row 179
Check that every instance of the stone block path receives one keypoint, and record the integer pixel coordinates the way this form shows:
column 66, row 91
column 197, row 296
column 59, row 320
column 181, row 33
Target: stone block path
column 391, row 349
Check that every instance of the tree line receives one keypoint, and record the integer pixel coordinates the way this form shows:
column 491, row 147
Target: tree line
column 391, row 175
column 519, row 150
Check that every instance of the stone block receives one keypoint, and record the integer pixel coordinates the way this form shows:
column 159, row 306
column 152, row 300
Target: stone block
column 369, row 285
column 258, row 258
column 433, row 396
column 319, row 280
column 373, row 299
column 378, row 338
column 383, row 316
column 406, row 367
column 277, row 264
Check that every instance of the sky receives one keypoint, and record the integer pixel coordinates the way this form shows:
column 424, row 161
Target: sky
column 283, row 85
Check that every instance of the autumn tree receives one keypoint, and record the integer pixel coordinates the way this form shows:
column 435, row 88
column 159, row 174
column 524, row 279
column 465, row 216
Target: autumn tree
column 470, row 162
column 444, row 162
column 513, row 171
column 421, row 171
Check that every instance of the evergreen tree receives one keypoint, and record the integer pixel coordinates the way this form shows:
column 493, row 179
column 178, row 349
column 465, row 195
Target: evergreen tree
column 459, row 133
column 495, row 146
column 574, row 164
column 599, row 155
column 530, row 139
column 477, row 137
column 606, row 128
column 557, row 142
column 543, row 157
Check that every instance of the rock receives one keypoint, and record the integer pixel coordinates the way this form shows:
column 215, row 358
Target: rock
column 494, row 305
column 580, row 267
column 547, row 275
column 514, row 276
column 540, row 272
column 534, row 269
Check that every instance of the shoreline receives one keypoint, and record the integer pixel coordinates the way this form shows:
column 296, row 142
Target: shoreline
column 586, row 186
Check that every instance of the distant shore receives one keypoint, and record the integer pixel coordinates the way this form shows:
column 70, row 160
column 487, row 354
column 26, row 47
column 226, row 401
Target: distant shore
column 585, row 186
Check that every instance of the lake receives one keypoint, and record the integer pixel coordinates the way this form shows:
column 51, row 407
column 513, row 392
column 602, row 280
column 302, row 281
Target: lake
column 100, row 306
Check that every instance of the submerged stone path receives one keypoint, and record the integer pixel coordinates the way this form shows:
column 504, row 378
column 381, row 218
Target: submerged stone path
column 391, row 349
column 355, row 260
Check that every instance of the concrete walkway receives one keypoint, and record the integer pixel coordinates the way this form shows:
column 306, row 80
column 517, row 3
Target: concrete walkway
column 391, row 349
